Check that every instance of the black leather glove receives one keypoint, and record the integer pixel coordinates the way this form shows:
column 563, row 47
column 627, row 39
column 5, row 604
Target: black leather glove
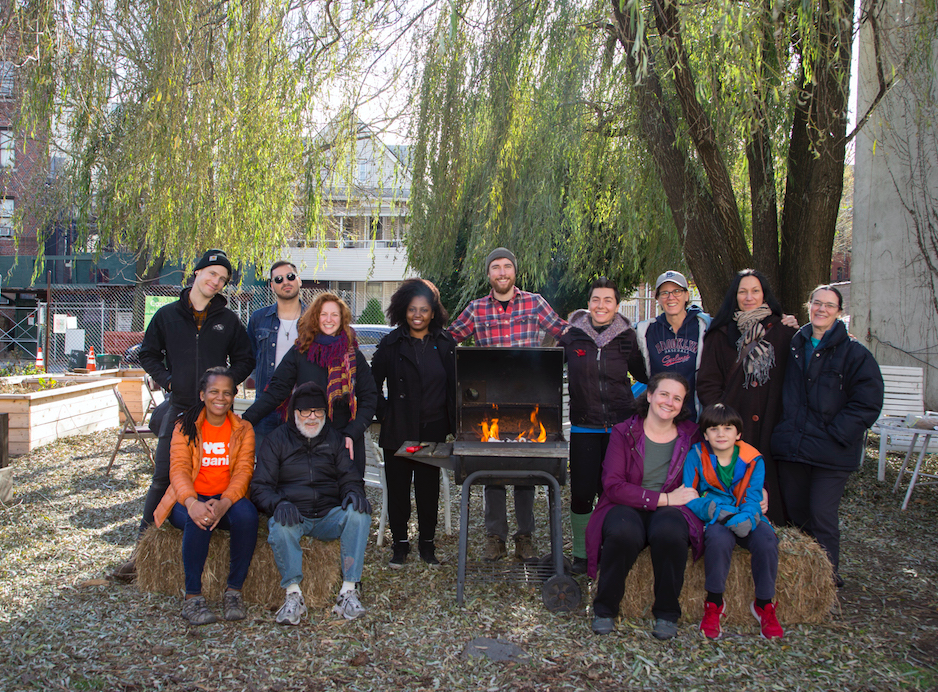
column 358, row 501
column 286, row 514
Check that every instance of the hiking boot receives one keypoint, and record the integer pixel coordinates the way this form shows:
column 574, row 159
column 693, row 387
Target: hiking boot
column 494, row 549
column 579, row 565
column 293, row 608
column 769, row 626
column 234, row 606
column 604, row 625
column 710, row 626
column 524, row 548
column 348, row 605
column 401, row 549
column 127, row 572
column 196, row 611
column 664, row 629
column 428, row 553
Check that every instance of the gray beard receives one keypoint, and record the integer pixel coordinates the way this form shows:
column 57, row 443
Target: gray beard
column 304, row 428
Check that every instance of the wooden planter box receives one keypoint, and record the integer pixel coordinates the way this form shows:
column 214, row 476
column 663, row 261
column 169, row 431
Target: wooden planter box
column 39, row 418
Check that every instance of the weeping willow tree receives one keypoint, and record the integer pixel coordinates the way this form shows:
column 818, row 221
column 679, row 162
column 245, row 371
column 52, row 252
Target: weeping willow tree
column 189, row 124
column 622, row 138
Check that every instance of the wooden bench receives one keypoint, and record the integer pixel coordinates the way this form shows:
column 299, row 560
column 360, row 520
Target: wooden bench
column 159, row 568
column 804, row 589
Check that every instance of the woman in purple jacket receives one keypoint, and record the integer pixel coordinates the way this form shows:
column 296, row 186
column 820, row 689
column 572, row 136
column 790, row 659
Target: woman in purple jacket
column 643, row 504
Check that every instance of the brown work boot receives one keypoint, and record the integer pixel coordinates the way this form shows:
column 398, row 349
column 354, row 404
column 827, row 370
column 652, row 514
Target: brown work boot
column 494, row 549
column 127, row 572
column 524, row 548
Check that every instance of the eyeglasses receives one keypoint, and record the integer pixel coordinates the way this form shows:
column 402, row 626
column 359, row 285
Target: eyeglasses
column 289, row 277
column 817, row 305
column 314, row 412
column 677, row 293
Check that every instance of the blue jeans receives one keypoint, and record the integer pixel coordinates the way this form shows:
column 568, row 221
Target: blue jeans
column 762, row 544
column 240, row 521
column 347, row 525
column 264, row 427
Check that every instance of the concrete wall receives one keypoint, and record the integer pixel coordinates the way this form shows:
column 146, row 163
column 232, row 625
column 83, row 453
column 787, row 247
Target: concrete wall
column 895, row 227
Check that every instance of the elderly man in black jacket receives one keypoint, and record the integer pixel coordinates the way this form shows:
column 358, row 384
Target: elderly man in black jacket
column 306, row 482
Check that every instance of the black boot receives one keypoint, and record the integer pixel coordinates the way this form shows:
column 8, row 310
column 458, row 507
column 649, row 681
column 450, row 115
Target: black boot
column 428, row 553
column 401, row 551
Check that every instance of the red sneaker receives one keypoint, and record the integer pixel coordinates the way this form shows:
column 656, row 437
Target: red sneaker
column 771, row 629
column 710, row 625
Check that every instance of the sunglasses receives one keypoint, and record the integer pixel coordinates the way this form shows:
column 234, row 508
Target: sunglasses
column 289, row 277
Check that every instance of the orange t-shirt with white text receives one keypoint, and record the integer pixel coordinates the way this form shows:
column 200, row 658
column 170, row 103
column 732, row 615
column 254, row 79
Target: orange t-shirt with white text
column 215, row 474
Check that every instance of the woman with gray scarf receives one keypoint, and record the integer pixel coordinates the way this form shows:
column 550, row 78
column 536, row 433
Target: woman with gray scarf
column 601, row 349
column 743, row 365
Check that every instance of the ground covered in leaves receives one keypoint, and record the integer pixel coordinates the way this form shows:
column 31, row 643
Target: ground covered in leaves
column 65, row 626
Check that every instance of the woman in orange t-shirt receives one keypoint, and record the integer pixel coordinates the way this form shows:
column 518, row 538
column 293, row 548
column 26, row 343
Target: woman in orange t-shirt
column 211, row 464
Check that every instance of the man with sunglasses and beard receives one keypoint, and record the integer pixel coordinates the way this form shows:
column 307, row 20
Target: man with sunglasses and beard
column 272, row 331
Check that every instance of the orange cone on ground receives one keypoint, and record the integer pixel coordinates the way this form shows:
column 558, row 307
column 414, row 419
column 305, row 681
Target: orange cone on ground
column 40, row 360
column 91, row 364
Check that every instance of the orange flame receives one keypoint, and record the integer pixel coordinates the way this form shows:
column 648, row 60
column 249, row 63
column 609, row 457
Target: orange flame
column 536, row 433
column 490, row 427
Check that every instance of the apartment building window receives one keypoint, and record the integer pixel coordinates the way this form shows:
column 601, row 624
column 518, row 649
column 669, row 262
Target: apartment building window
column 6, row 79
column 7, row 208
column 7, row 148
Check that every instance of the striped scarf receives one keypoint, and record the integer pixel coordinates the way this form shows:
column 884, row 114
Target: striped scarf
column 756, row 355
column 336, row 354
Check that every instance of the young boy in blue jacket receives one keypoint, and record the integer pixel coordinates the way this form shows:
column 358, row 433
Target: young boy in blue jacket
column 728, row 475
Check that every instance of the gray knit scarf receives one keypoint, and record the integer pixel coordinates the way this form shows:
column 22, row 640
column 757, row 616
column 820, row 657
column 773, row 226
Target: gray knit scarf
column 619, row 324
column 756, row 355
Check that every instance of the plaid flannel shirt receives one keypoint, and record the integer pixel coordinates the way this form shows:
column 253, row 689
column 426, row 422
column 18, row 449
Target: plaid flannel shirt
column 528, row 315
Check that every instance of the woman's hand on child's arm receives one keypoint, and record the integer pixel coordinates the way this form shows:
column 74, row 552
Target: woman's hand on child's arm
column 678, row 497
column 764, row 505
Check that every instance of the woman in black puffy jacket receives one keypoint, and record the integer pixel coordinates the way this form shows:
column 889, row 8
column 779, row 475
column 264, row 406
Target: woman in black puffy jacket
column 601, row 349
column 418, row 362
column 833, row 392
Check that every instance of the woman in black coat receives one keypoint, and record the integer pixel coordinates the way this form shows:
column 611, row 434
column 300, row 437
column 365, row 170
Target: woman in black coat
column 833, row 392
column 601, row 349
column 418, row 362
column 326, row 352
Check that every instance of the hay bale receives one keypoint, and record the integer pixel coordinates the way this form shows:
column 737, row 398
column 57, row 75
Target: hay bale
column 804, row 589
column 159, row 568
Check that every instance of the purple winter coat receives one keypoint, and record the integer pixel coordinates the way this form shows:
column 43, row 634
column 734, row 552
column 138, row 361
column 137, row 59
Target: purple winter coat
column 623, row 469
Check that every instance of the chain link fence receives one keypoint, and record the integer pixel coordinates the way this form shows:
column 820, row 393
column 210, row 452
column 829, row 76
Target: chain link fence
column 111, row 319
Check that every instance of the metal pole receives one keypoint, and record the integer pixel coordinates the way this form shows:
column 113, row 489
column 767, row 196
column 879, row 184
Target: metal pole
column 48, row 353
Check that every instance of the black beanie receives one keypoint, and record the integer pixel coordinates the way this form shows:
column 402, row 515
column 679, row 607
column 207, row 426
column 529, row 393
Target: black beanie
column 309, row 395
column 214, row 257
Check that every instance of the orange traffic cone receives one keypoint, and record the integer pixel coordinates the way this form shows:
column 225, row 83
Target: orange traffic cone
column 91, row 364
column 40, row 360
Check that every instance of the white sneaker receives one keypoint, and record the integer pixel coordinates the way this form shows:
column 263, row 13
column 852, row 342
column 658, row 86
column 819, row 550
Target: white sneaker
column 348, row 605
column 292, row 609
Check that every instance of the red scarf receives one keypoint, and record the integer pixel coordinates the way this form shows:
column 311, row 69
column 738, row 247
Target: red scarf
column 337, row 355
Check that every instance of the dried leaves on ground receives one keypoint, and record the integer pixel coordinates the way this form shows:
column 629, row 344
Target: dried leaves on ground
column 65, row 626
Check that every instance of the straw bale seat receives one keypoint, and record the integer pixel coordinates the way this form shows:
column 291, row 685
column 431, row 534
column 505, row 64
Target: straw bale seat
column 159, row 568
column 804, row 589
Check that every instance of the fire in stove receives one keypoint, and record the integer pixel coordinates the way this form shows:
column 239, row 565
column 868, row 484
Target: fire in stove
column 534, row 432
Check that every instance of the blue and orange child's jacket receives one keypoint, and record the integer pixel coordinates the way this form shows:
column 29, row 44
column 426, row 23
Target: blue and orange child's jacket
column 744, row 495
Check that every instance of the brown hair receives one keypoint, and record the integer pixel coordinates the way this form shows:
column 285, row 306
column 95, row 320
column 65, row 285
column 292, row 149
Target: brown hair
column 308, row 326
column 641, row 403
column 720, row 414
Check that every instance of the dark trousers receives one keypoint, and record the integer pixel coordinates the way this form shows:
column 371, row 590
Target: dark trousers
column 762, row 544
column 400, row 473
column 241, row 523
column 626, row 532
column 812, row 496
column 587, row 451
column 160, row 481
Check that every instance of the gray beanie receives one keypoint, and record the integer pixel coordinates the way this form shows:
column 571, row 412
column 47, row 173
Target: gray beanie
column 500, row 253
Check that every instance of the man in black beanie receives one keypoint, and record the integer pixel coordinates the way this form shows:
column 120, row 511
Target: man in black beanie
column 306, row 483
column 182, row 341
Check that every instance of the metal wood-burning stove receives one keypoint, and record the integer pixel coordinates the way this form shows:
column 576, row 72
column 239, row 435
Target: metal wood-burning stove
column 510, row 417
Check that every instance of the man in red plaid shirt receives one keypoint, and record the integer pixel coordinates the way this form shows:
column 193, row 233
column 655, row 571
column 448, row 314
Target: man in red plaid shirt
column 507, row 316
